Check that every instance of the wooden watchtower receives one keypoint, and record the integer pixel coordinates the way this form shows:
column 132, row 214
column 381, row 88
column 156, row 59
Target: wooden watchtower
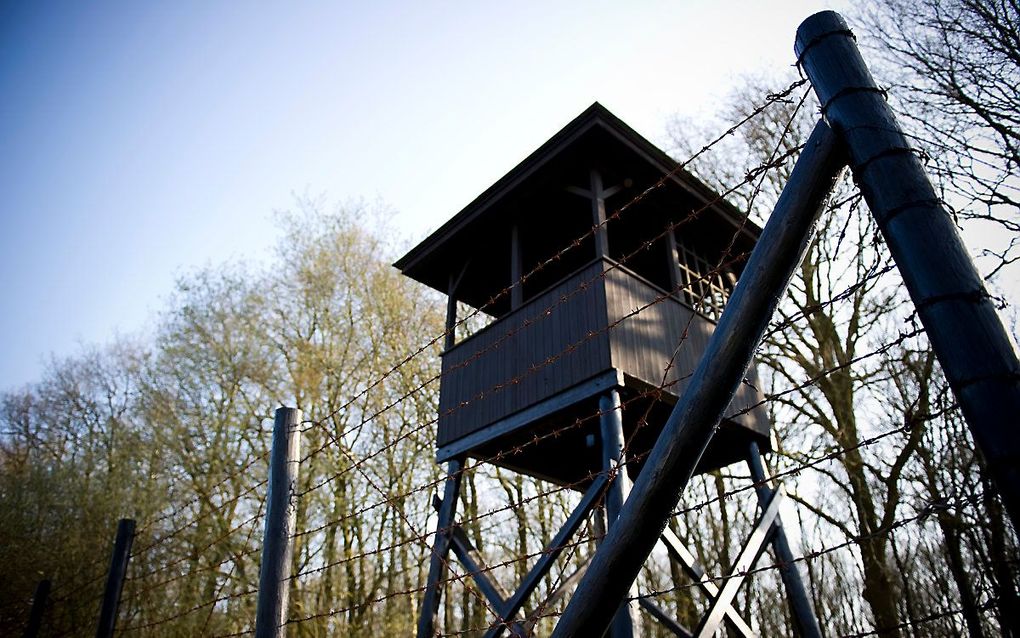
column 607, row 313
column 603, row 269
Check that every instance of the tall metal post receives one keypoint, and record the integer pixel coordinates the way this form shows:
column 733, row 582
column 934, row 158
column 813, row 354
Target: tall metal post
column 115, row 578
column 800, row 604
column 696, row 416
column 42, row 592
column 281, row 519
column 952, row 303
column 613, row 442
column 440, row 550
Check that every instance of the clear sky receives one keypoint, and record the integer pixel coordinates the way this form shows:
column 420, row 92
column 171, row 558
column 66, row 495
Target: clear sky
column 140, row 140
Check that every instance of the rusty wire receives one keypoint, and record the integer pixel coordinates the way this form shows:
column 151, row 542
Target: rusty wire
column 360, row 464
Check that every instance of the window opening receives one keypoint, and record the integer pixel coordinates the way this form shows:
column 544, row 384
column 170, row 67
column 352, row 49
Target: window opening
column 702, row 286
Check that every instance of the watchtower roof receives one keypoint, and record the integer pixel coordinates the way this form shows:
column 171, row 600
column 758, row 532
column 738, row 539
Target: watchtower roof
column 596, row 137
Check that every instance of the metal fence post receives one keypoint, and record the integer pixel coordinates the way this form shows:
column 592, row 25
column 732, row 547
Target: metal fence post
column 281, row 519
column 115, row 578
column 952, row 303
column 692, row 423
column 42, row 592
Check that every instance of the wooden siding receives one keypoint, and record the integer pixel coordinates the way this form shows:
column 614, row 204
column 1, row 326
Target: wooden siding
column 643, row 341
column 506, row 367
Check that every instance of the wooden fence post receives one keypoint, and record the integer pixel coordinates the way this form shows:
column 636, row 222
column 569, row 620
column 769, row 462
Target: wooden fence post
column 281, row 519
column 115, row 578
column 950, row 297
column 42, row 592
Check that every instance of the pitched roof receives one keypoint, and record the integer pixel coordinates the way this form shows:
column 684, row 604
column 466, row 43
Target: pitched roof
column 421, row 261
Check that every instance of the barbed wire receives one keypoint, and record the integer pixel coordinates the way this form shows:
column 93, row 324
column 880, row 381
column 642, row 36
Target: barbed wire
column 217, row 597
column 670, row 174
column 545, row 494
column 923, row 620
column 787, row 321
column 919, row 516
column 358, row 460
column 670, row 228
column 193, row 501
column 546, row 312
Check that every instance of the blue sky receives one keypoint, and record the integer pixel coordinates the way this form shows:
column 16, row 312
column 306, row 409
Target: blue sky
column 139, row 141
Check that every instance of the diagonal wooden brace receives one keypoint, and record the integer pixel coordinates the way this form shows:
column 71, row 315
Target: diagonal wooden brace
column 663, row 618
column 469, row 558
column 749, row 555
column 549, row 556
column 689, row 562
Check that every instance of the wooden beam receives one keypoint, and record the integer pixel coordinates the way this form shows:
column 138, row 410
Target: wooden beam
column 957, row 312
column 598, row 214
column 517, row 290
column 800, row 605
column 451, row 314
column 552, row 599
column 440, row 550
column 35, row 617
column 549, row 556
column 664, row 619
column 115, row 578
column 689, row 562
column 281, row 521
column 749, row 555
column 472, row 561
column 673, row 258
column 614, row 465
column 451, row 306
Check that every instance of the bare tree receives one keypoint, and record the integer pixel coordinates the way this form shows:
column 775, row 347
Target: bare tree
column 953, row 66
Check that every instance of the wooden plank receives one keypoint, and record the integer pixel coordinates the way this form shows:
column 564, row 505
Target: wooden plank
column 596, row 385
column 689, row 563
column 502, row 357
column 469, row 558
column 749, row 555
column 517, row 291
column 281, row 520
column 664, row 619
column 440, row 550
column 549, row 556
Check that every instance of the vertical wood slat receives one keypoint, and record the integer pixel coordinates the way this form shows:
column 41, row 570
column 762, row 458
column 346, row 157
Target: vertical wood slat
column 643, row 353
column 502, row 358
column 640, row 345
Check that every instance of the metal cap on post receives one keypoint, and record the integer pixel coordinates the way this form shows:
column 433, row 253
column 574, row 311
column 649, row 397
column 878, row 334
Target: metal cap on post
column 957, row 313
column 281, row 519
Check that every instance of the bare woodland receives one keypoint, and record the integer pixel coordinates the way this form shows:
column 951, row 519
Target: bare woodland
column 902, row 532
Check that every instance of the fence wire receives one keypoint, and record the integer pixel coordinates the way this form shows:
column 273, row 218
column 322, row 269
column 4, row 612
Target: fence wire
column 368, row 553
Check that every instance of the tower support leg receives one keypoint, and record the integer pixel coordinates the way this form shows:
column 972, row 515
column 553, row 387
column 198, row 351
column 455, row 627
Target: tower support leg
column 440, row 550
column 613, row 464
column 800, row 605
column 689, row 428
